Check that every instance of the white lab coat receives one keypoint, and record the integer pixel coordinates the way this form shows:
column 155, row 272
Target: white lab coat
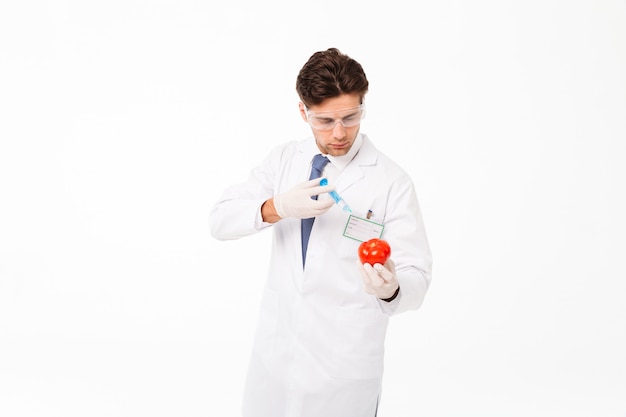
column 319, row 344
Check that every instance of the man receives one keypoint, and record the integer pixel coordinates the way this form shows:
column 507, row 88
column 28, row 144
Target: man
column 318, row 350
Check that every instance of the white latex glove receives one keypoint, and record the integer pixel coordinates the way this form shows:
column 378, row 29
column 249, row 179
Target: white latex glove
column 379, row 280
column 298, row 203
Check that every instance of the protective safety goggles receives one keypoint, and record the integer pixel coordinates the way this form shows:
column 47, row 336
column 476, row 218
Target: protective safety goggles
column 328, row 120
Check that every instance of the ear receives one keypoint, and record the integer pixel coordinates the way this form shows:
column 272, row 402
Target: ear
column 303, row 111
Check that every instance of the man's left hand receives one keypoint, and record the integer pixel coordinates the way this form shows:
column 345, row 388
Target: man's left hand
column 379, row 280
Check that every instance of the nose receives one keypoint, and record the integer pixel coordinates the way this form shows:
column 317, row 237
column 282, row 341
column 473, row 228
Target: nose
column 339, row 131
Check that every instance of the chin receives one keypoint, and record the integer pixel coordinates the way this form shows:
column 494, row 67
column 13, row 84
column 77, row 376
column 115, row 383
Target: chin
column 335, row 152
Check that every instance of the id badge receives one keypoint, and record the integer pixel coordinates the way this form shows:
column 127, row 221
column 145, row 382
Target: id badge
column 361, row 229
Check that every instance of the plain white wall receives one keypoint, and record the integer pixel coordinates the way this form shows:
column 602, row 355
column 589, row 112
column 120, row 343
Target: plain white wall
column 121, row 122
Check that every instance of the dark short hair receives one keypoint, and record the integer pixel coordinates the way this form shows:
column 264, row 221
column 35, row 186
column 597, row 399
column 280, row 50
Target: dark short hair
column 329, row 74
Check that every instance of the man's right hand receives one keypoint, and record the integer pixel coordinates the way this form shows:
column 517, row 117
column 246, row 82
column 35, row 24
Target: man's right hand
column 298, row 203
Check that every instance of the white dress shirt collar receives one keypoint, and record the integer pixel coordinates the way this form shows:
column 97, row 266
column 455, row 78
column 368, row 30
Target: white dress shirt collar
column 340, row 162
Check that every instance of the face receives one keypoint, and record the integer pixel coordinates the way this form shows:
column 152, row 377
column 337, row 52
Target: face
column 332, row 114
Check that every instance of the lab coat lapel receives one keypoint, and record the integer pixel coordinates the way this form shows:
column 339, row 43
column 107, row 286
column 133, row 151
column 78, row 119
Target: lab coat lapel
column 301, row 163
column 353, row 172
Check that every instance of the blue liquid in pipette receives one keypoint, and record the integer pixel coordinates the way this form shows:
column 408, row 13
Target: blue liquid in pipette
column 340, row 202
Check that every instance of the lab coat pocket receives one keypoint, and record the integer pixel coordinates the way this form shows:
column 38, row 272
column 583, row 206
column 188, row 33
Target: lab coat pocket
column 359, row 343
column 349, row 247
column 267, row 328
column 361, row 228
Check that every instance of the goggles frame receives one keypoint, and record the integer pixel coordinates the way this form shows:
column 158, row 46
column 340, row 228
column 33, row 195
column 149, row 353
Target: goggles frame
column 318, row 122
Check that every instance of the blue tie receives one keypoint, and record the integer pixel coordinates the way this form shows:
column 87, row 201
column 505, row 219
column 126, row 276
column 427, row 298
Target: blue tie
column 319, row 162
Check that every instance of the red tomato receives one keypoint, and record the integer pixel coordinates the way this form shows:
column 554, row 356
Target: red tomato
column 374, row 251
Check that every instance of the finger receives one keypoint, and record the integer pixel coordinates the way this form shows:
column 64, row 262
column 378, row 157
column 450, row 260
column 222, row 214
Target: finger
column 374, row 278
column 323, row 202
column 383, row 272
column 391, row 265
column 321, row 206
column 315, row 182
column 318, row 190
column 362, row 271
column 364, row 277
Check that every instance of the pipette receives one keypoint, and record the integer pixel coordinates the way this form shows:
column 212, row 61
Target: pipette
column 340, row 202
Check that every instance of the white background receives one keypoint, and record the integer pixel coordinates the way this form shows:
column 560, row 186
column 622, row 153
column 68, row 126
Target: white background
column 122, row 121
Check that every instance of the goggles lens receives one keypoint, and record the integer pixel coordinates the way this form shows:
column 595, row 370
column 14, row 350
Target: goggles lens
column 328, row 120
